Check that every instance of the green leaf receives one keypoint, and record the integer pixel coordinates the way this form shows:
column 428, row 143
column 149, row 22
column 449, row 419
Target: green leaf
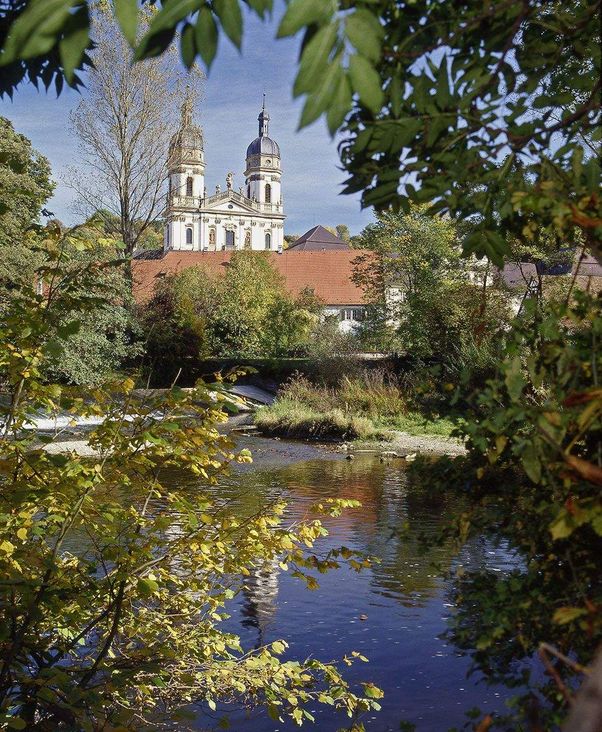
column 514, row 379
column 531, row 463
column 562, row 526
column 36, row 30
column 146, row 587
column 372, row 691
column 314, row 60
column 75, row 42
column 206, row 36
column 187, row 46
column 172, row 12
column 316, row 103
column 340, row 104
column 153, row 45
column 365, row 33
column 442, row 94
column 302, row 13
column 228, row 11
column 126, row 12
column 366, row 82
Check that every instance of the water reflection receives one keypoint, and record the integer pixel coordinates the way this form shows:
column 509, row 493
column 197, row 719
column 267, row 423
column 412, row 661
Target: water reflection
column 261, row 593
column 394, row 613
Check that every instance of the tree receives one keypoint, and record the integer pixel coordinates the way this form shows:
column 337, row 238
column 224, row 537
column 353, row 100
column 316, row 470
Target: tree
column 422, row 299
column 25, row 186
column 343, row 232
column 111, row 612
column 108, row 336
column 246, row 312
column 123, row 126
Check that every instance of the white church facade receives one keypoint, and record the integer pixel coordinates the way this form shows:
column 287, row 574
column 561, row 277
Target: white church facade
column 250, row 218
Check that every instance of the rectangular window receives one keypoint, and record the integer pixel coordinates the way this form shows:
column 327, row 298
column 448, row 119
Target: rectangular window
column 356, row 314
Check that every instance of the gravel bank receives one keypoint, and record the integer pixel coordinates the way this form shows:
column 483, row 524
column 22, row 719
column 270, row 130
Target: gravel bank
column 403, row 444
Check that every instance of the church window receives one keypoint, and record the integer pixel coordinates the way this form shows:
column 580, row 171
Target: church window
column 268, row 241
column 189, row 235
column 229, row 239
column 189, row 186
column 268, row 193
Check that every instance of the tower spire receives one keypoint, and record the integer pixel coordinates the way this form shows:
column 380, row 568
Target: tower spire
column 187, row 108
column 264, row 121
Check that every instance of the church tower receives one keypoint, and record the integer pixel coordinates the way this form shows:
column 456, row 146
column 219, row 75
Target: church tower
column 186, row 163
column 263, row 171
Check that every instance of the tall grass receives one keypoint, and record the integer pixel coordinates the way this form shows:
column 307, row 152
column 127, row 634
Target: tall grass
column 367, row 406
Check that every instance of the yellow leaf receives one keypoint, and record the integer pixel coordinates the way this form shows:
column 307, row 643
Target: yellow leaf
column 22, row 534
column 7, row 547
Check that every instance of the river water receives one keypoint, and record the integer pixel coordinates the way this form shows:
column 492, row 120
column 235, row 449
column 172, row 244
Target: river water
column 394, row 613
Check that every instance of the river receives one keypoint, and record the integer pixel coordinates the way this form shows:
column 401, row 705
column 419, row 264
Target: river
column 394, row 613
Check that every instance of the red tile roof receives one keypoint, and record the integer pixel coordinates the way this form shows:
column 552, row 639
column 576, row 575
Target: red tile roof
column 327, row 272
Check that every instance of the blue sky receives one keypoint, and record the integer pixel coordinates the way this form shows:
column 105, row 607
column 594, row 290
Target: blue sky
column 228, row 113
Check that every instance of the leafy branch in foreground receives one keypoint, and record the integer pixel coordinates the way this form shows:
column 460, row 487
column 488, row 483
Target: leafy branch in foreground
column 533, row 478
column 113, row 580
column 489, row 110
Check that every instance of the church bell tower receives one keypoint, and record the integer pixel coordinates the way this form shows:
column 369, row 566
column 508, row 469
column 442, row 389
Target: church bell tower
column 186, row 163
column 263, row 172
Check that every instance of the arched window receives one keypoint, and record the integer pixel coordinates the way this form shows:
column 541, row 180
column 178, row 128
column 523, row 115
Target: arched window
column 189, row 186
column 189, row 235
column 268, row 193
column 268, row 241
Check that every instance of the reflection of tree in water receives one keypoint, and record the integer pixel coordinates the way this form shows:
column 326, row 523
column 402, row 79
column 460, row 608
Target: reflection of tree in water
column 395, row 516
column 410, row 518
column 260, row 592
column 392, row 523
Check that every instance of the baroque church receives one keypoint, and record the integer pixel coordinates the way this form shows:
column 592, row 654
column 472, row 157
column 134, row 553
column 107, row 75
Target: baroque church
column 227, row 220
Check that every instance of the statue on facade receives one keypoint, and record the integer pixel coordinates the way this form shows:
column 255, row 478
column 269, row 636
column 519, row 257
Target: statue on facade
column 229, row 179
column 218, row 189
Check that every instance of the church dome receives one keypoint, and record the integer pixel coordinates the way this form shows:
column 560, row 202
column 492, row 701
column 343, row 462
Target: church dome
column 189, row 138
column 263, row 146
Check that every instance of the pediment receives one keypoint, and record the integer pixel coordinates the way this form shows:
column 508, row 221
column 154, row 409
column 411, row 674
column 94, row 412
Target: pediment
column 235, row 204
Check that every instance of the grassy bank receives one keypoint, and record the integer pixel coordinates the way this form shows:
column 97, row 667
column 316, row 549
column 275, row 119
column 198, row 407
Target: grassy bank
column 367, row 407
